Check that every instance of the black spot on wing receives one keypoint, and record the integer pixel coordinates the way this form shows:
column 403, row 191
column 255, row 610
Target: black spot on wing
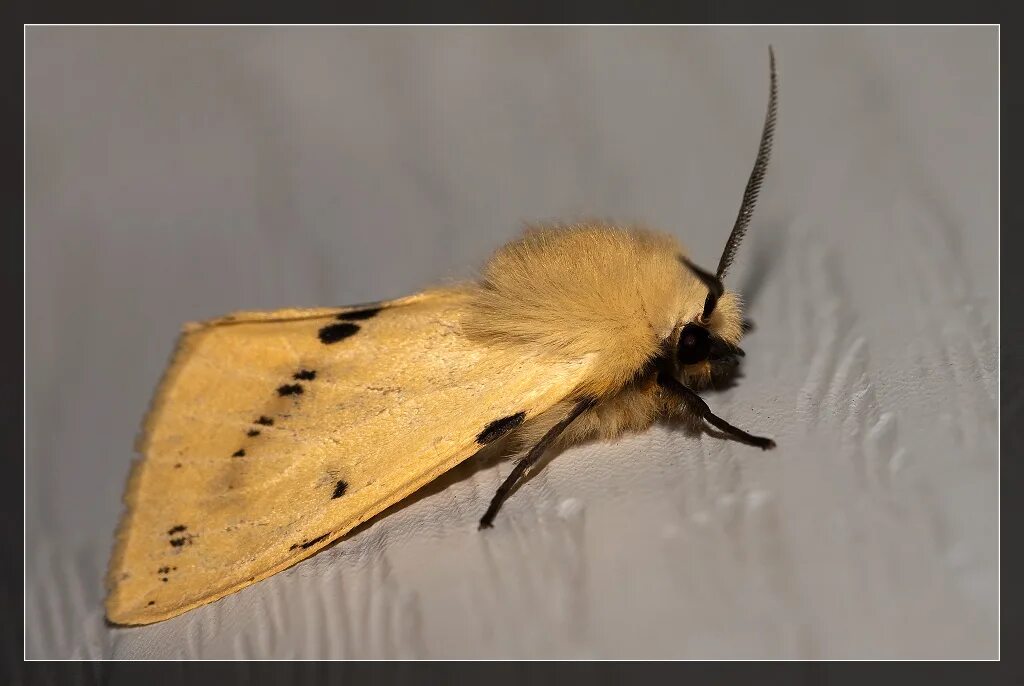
column 239, row 453
column 314, row 541
column 265, row 421
column 359, row 315
column 304, row 375
column 252, row 432
column 290, row 389
column 500, row 427
column 151, row 602
column 180, row 540
column 340, row 489
column 307, row 544
column 337, row 332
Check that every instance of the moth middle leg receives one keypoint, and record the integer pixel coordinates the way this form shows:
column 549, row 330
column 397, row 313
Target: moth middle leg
column 696, row 404
column 487, row 521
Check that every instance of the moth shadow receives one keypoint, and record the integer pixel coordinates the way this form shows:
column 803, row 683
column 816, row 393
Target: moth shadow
column 768, row 245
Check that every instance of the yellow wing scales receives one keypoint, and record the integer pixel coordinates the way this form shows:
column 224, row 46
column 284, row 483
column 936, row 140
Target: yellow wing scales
column 274, row 433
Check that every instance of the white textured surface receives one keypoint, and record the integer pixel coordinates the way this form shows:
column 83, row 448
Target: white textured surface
column 177, row 174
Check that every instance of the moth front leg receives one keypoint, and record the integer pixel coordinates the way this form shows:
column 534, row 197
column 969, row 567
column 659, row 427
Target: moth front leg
column 696, row 404
column 487, row 521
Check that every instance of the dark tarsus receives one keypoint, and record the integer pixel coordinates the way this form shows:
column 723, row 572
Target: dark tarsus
column 696, row 404
column 487, row 521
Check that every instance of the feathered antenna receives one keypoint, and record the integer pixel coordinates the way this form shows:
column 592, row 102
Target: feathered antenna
column 764, row 151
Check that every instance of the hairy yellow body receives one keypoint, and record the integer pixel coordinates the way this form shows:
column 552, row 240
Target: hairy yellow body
column 611, row 294
column 275, row 433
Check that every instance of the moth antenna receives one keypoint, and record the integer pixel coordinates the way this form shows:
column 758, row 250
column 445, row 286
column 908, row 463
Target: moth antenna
column 753, row 188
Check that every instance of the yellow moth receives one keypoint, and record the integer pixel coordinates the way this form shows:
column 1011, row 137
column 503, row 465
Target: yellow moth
column 272, row 434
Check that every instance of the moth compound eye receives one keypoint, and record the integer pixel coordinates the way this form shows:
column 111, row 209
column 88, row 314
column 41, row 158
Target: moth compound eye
column 694, row 344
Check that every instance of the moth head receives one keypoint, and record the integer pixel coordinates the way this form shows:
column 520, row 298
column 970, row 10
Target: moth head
column 707, row 352
column 707, row 348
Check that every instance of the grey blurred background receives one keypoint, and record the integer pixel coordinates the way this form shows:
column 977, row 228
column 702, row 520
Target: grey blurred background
column 176, row 174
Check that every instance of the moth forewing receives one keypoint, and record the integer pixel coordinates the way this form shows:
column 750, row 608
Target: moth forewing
column 267, row 443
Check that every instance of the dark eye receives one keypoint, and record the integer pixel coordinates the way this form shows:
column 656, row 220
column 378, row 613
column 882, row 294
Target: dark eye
column 694, row 344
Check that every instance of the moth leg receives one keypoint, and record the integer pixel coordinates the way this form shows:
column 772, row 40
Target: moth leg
column 697, row 405
column 487, row 521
